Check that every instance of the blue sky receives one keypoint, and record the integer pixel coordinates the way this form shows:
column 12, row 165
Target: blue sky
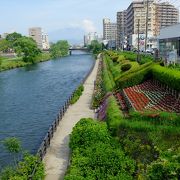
column 62, row 19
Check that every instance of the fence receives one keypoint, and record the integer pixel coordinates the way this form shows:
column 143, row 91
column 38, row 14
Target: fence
column 52, row 129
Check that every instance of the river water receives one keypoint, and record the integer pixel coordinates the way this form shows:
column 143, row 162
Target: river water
column 31, row 97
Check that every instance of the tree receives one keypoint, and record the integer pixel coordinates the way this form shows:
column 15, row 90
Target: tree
column 61, row 48
column 30, row 166
column 13, row 37
column 23, row 46
column 13, row 146
column 27, row 48
column 4, row 45
column 95, row 46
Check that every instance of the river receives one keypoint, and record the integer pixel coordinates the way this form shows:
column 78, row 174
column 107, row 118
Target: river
column 31, row 97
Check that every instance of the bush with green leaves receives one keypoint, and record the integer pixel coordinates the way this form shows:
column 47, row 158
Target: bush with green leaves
column 108, row 82
column 126, row 67
column 96, row 155
column 24, row 169
column 78, row 92
column 135, row 78
column 113, row 115
column 164, row 169
column 87, row 132
column 165, row 75
column 30, row 166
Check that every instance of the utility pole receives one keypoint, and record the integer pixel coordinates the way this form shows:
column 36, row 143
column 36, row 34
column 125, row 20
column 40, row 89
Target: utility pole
column 138, row 55
column 147, row 19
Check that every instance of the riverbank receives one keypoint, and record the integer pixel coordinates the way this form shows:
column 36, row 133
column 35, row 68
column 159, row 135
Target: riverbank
column 57, row 157
column 13, row 63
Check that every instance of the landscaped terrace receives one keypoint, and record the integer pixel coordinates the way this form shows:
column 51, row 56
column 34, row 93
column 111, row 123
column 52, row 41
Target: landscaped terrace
column 152, row 96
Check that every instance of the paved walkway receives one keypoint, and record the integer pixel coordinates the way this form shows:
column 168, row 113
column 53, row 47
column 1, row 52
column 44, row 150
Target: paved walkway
column 57, row 156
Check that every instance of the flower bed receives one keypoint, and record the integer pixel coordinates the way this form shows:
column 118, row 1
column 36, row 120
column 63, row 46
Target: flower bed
column 150, row 96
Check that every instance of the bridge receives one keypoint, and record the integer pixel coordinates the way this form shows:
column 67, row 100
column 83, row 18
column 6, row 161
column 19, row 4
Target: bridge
column 73, row 48
column 77, row 48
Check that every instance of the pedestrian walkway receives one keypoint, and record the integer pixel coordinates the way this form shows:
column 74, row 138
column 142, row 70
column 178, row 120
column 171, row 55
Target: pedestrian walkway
column 57, row 157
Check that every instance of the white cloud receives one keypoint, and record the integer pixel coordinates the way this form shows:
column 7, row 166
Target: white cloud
column 88, row 26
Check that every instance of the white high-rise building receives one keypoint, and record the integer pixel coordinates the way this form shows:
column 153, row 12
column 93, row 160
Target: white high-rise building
column 40, row 37
column 90, row 37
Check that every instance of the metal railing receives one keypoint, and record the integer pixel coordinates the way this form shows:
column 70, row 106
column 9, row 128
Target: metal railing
column 52, row 129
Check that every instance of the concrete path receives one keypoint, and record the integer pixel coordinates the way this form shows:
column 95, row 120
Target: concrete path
column 57, row 157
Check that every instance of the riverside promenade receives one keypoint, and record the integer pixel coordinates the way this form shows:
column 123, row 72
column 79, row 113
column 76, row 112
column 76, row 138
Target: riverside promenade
column 57, row 157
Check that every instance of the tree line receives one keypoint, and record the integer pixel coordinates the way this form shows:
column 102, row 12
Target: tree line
column 26, row 47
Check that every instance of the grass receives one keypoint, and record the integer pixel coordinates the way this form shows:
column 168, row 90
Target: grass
column 78, row 92
column 11, row 63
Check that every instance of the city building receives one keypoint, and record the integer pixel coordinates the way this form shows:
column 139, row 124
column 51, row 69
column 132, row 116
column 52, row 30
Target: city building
column 4, row 35
column 136, row 13
column 121, row 41
column 109, row 33
column 109, row 30
column 40, row 37
column 160, row 15
column 45, row 41
column 165, row 14
column 90, row 37
column 169, row 44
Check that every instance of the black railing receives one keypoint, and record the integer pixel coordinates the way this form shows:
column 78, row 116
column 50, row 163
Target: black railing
column 52, row 129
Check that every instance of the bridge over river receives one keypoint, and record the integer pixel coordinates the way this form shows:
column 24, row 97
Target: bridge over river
column 31, row 97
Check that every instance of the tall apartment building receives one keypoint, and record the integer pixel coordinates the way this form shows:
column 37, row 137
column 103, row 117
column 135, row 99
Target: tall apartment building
column 165, row 14
column 40, row 37
column 160, row 15
column 137, row 11
column 121, row 29
column 109, row 30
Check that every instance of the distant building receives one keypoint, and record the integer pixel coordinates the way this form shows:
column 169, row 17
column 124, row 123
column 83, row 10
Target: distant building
column 121, row 29
column 45, row 41
column 90, row 37
column 160, row 15
column 4, row 35
column 40, row 37
column 169, row 43
column 109, row 30
column 165, row 15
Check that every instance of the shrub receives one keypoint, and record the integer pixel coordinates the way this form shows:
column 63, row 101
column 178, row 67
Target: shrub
column 25, row 169
column 134, row 78
column 125, row 67
column 170, row 77
column 108, row 82
column 87, row 132
column 96, row 155
column 163, row 169
column 115, row 58
column 114, row 115
column 77, row 94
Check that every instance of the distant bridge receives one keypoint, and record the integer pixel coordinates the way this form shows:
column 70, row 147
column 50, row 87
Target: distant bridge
column 78, row 48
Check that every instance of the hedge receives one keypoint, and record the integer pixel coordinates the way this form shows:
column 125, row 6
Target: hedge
column 96, row 155
column 108, row 82
column 167, row 76
column 114, row 115
column 77, row 94
column 87, row 132
column 135, row 78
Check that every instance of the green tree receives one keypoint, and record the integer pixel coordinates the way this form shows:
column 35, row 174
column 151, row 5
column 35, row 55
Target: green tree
column 30, row 167
column 27, row 48
column 59, row 49
column 13, row 37
column 13, row 146
column 95, row 47
column 4, row 45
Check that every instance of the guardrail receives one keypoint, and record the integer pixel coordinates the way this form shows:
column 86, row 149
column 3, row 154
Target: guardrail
column 52, row 129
